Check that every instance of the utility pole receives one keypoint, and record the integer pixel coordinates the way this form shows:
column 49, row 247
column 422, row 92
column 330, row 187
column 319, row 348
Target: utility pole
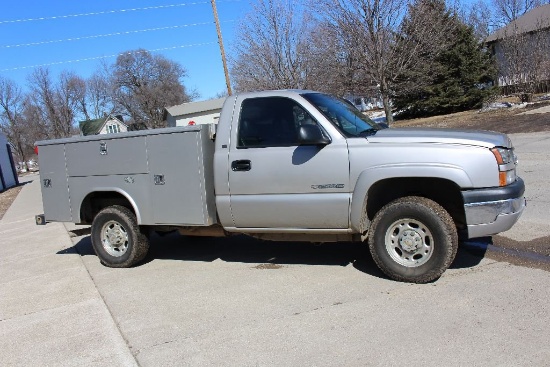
column 220, row 41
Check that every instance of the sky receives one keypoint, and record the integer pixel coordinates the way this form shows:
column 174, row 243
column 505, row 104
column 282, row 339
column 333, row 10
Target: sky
column 76, row 35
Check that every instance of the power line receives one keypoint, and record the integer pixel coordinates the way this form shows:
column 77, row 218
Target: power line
column 106, row 57
column 108, row 12
column 100, row 13
column 107, row 35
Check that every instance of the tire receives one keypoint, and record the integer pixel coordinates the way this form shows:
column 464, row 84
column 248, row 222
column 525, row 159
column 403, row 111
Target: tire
column 116, row 238
column 413, row 239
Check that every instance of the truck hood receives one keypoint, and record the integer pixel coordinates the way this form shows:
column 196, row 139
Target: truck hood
column 441, row 136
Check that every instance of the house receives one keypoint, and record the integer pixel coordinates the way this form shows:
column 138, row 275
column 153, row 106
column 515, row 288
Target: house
column 522, row 50
column 535, row 20
column 194, row 113
column 109, row 124
column 8, row 173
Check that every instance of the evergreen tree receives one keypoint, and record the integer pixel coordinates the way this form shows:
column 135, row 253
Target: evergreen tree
column 457, row 77
column 425, row 28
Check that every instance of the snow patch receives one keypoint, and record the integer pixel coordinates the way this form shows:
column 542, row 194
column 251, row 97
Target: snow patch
column 377, row 116
column 500, row 105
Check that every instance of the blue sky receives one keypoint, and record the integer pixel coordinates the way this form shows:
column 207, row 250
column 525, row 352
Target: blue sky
column 190, row 38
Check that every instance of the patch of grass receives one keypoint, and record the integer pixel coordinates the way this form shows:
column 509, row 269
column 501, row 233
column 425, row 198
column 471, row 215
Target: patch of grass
column 509, row 121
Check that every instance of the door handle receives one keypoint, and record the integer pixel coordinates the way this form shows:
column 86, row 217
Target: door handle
column 241, row 165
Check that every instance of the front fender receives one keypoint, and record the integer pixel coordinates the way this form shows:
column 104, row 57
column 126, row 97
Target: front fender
column 367, row 178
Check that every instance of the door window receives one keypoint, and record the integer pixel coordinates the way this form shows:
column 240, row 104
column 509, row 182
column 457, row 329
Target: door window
column 271, row 121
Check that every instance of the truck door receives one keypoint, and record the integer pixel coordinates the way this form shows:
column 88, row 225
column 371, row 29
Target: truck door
column 276, row 183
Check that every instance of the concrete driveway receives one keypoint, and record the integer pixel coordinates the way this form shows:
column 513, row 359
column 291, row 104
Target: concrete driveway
column 242, row 302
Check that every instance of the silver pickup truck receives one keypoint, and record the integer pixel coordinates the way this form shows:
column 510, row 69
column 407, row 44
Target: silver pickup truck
column 288, row 166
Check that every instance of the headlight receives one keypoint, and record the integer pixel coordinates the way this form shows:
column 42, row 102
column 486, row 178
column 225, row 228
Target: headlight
column 504, row 156
column 507, row 161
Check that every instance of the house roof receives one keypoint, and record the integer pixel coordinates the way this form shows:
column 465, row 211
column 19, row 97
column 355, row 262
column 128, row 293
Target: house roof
column 195, row 107
column 93, row 127
column 534, row 20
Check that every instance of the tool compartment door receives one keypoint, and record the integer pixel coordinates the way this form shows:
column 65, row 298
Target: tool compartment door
column 108, row 156
column 54, row 184
column 180, row 178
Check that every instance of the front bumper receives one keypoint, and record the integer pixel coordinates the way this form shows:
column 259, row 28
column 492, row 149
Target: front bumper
column 493, row 210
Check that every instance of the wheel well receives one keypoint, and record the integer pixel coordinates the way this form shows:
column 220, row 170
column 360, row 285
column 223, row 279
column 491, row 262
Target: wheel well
column 94, row 202
column 444, row 192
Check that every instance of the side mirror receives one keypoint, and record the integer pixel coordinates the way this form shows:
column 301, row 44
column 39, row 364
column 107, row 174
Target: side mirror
column 312, row 135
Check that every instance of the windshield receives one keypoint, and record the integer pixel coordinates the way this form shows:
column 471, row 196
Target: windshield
column 344, row 116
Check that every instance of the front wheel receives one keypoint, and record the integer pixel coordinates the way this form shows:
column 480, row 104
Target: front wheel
column 117, row 239
column 413, row 239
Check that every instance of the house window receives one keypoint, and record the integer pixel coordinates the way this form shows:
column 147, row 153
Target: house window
column 113, row 128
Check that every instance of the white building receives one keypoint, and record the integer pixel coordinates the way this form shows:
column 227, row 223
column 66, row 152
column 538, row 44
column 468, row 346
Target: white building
column 194, row 113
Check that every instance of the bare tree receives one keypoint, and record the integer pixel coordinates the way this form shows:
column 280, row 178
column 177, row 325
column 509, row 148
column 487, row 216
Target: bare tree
column 94, row 95
column 372, row 33
column 43, row 97
column 17, row 121
column 281, row 45
column 36, row 128
column 333, row 63
column 506, row 11
column 143, row 84
column 70, row 93
column 11, row 100
column 272, row 47
column 99, row 96
column 58, row 103
column 480, row 17
column 486, row 16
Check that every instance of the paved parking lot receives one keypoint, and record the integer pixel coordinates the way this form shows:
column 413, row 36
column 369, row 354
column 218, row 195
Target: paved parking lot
column 242, row 302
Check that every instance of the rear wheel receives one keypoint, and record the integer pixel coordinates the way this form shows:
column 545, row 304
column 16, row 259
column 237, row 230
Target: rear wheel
column 117, row 239
column 413, row 239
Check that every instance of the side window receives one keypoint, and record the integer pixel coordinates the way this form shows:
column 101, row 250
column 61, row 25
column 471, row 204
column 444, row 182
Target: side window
column 270, row 121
